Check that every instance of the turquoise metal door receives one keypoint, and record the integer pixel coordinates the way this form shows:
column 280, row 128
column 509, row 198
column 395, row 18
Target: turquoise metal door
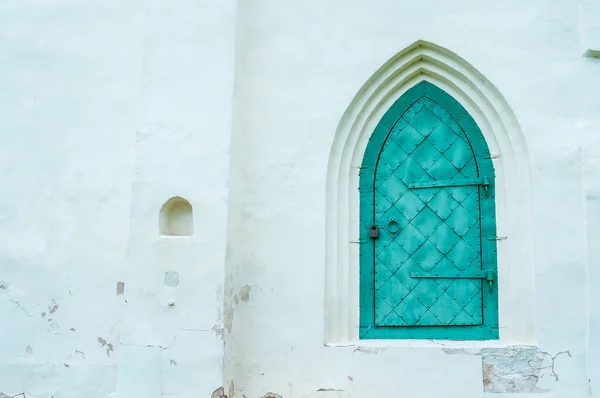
column 428, row 259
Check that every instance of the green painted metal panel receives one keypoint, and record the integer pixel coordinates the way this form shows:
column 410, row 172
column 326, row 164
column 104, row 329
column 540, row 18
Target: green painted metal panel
column 427, row 183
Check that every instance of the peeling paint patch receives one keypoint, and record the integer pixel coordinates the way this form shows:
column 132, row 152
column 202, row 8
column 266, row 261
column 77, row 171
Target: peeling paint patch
column 218, row 331
column 230, row 305
column 173, row 362
column 592, row 54
column 514, row 369
column 53, row 308
column 218, row 393
column 3, row 285
column 171, row 278
column 109, row 349
column 328, row 393
column 272, row 395
column 511, row 370
column 120, row 288
column 245, row 293
column 43, row 314
column 29, row 350
column 369, row 350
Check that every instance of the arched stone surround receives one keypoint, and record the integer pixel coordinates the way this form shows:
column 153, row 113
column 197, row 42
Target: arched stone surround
column 426, row 61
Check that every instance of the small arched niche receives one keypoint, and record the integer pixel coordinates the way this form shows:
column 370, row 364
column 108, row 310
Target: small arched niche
column 176, row 218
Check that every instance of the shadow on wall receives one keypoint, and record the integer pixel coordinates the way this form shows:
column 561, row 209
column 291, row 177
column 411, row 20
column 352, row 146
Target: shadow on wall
column 176, row 218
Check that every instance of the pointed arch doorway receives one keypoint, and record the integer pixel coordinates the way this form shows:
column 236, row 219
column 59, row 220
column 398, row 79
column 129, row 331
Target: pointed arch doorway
column 428, row 258
column 426, row 61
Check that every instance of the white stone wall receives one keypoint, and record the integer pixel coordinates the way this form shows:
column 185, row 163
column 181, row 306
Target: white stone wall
column 299, row 67
column 110, row 108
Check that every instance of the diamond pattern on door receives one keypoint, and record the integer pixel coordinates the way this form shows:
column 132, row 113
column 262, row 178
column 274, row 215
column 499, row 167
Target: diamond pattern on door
column 439, row 227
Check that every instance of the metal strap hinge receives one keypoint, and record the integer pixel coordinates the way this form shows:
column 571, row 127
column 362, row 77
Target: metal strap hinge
column 483, row 274
column 488, row 275
column 459, row 182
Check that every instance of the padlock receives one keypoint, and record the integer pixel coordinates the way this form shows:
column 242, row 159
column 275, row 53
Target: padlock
column 374, row 232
